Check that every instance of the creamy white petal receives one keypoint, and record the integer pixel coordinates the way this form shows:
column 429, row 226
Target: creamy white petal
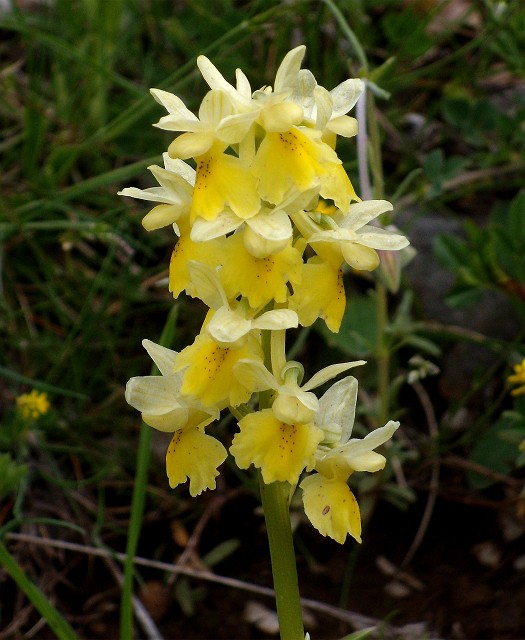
column 175, row 185
column 254, row 375
column 224, row 223
column 163, row 357
column 172, row 104
column 289, row 68
column 337, row 409
column 382, row 239
column 355, row 448
column 171, row 123
column 207, row 285
column 345, row 95
column 330, row 372
column 345, row 126
column 362, row 212
column 181, row 168
column 303, row 92
column 226, row 326
column 153, row 194
column 215, row 106
column 243, row 85
column 234, row 128
column 213, row 77
column 323, row 104
column 276, row 319
column 153, row 394
column 271, row 224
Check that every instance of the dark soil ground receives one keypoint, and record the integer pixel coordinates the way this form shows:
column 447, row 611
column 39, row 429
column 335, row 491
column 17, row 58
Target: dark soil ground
column 465, row 582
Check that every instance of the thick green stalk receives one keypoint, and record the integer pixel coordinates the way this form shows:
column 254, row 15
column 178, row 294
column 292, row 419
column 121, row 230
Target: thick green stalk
column 274, row 498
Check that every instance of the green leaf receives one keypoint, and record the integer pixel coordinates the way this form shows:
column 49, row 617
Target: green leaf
column 407, row 31
column 221, row 552
column 358, row 332
column 11, row 475
column 360, row 635
column 494, row 451
column 516, row 221
column 422, row 344
column 450, row 251
column 464, row 296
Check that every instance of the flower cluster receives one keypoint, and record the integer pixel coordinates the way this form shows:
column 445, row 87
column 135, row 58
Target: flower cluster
column 30, row 406
column 266, row 219
column 518, row 377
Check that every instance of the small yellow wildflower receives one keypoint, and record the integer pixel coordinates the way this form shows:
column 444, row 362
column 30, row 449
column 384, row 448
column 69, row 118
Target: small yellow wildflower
column 31, row 406
column 518, row 377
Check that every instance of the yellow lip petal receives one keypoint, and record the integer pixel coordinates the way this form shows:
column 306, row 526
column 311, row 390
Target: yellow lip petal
column 331, row 507
column 282, row 451
column 222, row 180
column 195, row 456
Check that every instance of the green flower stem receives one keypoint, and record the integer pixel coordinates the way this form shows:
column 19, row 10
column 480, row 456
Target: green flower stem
column 274, row 498
column 383, row 352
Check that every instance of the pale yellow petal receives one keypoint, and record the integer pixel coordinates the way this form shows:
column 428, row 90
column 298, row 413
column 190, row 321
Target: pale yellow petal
column 281, row 117
column 191, row 145
column 331, row 507
column 360, row 257
column 320, row 294
column 193, row 454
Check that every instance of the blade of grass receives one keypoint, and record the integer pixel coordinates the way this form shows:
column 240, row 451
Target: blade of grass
column 51, row 615
column 139, row 498
column 89, row 185
column 62, row 48
column 37, row 384
column 183, row 75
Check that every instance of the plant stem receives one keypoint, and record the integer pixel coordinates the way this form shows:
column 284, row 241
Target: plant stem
column 274, row 498
column 383, row 353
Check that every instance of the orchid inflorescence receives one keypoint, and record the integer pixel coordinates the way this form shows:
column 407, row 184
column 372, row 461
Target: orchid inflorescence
column 266, row 222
